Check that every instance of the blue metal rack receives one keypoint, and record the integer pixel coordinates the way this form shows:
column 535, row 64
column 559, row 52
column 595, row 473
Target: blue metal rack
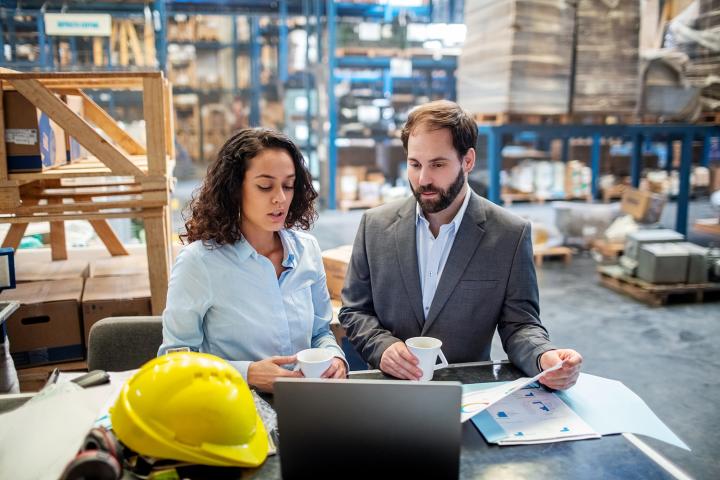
column 386, row 13
column 499, row 135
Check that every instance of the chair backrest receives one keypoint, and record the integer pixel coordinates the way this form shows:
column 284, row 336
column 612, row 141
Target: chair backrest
column 123, row 343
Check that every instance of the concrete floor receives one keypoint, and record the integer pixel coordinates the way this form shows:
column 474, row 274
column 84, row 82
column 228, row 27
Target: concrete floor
column 668, row 356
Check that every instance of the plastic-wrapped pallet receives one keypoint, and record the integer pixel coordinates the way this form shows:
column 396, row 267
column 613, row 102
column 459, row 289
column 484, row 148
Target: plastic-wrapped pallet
column 516, row 57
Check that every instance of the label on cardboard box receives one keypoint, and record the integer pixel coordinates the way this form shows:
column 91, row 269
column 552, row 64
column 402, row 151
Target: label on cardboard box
column 21, row 136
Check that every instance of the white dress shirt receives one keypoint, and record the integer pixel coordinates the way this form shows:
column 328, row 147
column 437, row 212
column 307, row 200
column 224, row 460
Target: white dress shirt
column 432, row 253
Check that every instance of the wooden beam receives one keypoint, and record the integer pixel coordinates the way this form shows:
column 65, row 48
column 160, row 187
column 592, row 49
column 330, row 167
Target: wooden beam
column 98, row 54
column 76, row 127
column 3, row 147
column 149, row 40
column 8, row 74
column 158, row 201
column 154, row 112
column 107, row 124
column 109, row 238
column 135, row 44
column 58, row 245
column 123, row 35
column 169, row 120
column 158, row 266
column 14, row 235
column 144, row 213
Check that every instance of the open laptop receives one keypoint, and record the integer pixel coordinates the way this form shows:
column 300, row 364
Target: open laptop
column 368, row 428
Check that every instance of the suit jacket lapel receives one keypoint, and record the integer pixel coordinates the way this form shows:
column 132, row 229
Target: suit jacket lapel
column 406, row 245
column 466, row 242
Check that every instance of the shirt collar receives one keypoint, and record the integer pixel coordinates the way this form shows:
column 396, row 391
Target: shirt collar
column 290, row 255
column 457, row 219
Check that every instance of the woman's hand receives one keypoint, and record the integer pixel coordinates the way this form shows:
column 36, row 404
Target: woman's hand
column 336, row 369
column 262, row 374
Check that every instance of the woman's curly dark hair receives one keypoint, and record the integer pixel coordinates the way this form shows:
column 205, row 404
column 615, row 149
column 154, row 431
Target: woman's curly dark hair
column 214, row 210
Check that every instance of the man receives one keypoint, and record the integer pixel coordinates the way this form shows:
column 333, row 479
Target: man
column 446, row 264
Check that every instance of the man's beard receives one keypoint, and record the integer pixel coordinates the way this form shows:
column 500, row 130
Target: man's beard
column 446, row 196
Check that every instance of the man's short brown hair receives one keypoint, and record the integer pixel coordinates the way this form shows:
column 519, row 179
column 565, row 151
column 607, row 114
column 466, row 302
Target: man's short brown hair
column 443, row 114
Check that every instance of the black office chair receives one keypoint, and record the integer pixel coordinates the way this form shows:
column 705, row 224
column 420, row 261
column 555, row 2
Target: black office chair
column 123, row 343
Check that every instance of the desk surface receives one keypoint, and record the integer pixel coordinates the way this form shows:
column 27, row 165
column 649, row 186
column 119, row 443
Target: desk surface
column 609, row 457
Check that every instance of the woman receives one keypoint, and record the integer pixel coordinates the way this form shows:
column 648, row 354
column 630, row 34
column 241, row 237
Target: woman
column 248, row 288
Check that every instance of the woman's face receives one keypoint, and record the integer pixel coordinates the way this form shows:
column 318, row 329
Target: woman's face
column 267, row 190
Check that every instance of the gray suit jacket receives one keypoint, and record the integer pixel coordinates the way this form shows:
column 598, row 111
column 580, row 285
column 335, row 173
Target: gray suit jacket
column 488, row 281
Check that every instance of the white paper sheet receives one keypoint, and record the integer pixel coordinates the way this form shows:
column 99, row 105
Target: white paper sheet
column 38, row 439
column 476, row 401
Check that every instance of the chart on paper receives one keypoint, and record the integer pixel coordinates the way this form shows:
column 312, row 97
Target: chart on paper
column 533, row 415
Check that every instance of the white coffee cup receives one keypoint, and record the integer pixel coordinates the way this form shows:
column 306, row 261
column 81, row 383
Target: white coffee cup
column 427, row 349
column 314, row 361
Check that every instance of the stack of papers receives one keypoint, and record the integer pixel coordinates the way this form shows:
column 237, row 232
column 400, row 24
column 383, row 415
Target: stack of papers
column 532, row 415
column 522, row 412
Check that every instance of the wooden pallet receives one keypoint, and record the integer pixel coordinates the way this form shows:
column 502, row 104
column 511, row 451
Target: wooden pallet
column 540, row 254
column 346, row 205
column 709, row 117
column 532, row 119
column 608, row 249
column 510, row 197
column 120, row 178
column 656, row 295
column 707, row 225
column 562, row 119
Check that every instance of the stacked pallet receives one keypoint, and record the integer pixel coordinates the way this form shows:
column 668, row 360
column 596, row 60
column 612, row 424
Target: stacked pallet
column 517, row 56
column 606, row 66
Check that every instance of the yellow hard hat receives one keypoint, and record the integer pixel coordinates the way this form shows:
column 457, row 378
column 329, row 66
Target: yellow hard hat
column 192, row 407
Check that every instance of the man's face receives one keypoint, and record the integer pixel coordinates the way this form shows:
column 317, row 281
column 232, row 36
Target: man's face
column 435, row 172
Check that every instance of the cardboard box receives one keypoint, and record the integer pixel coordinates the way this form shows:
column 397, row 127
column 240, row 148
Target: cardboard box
column 114, row 297
column 663, row 263
column 37, row 271
column 34, row 142
column 349, row 179
column 644, row 206
column 123, row 265
column 336, row 263
column 46, row 327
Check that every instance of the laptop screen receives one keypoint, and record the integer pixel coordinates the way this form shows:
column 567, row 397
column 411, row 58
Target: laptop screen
column 368, row 428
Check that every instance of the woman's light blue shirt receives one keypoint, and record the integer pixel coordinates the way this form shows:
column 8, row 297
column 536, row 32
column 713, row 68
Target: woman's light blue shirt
column 228, row 301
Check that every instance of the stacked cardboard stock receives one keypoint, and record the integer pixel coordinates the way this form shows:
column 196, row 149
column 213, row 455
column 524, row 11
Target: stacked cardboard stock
column 606, row 66
column 517, row 56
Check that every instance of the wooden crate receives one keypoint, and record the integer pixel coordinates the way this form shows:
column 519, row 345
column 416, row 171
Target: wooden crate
column 656, row 295
column 120, row 178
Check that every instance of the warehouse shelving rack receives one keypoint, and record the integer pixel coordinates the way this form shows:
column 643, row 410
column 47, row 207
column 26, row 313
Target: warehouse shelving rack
column 383, row 81
column 500, row 135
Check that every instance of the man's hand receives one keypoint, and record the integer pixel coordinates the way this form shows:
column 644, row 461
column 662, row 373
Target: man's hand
column 336, row 369
column 567, row 375
column 400, row 363
column 263, row 374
